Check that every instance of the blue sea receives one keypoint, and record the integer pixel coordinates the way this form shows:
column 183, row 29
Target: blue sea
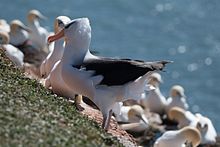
column 186, row 32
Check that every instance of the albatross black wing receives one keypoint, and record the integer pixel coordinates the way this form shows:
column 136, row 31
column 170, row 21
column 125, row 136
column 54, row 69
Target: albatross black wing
column 121, row 71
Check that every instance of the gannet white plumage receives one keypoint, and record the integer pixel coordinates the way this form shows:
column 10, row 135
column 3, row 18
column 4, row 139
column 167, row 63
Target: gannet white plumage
column 207, row 130
column 39, row 35
column 154, row 100
column 202, row 123
column 131, row 116
column 18, row 33
column 177, row 98
column 57, row 52
column 13, row 53
column 4, row 26
column 178, row 138
column 19, row 38
column 183, row 118
column 104, row 80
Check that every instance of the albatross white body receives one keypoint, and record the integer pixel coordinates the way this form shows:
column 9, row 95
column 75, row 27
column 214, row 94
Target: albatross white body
column 87, row 81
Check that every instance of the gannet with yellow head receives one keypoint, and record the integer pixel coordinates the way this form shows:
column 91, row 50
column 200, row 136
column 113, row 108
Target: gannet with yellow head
column 4, row 26
column 178, row 138
column 133, row 118
column 154, row 100
column 39, row 35
column 177, row 98
column 13, row 53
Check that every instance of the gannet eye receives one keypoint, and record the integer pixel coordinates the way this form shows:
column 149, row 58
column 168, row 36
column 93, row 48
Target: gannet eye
column 69, row 24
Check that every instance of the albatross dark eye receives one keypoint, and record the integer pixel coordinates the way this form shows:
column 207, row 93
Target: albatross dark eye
column 60, row 22
column 69, row 24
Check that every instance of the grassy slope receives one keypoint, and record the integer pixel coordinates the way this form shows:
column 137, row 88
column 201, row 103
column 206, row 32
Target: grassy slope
column 32, row 116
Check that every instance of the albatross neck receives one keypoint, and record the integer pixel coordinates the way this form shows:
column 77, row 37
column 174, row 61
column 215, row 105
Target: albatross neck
column 73, row 54
column 58, row 47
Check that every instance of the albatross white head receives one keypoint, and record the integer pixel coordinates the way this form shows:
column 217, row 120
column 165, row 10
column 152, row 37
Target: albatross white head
column 78, row 37
column 78, row 27
column 60, row 23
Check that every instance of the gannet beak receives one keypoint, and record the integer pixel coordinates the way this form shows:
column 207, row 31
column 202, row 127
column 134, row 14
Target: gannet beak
column 56, row 36
column 144, row 119
column 42, row 16
column 150, row 87
column 26, row 28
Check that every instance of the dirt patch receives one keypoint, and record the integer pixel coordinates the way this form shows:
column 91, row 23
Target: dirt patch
column 114, row 129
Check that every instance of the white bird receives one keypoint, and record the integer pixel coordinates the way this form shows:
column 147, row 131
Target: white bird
column 57, row 52
column 19, row 38
column 51, row 67
column 203, row 124
column 177, row 98
column 154, row 100
column 207, row 130
column 4, row 26
column 134, row 118
column 13, row 53
column 39, row 35
column 178, row 138
column 18, row 34
column 104, row 80
column 183, row 118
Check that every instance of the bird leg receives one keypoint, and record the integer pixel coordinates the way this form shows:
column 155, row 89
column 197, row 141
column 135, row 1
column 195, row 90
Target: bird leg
column 78, row 101
column 106, row 120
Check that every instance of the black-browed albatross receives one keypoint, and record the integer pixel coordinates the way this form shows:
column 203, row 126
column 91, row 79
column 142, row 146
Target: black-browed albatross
column 104, row 80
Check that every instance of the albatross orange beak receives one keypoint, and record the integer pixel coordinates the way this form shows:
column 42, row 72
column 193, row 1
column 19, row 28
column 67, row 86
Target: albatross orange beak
column 56, row 36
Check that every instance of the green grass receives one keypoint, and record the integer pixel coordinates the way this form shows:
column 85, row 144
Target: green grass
column 32, row 116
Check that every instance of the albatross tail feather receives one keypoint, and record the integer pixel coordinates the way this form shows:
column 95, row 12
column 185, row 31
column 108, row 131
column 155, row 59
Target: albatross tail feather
column 159, row 65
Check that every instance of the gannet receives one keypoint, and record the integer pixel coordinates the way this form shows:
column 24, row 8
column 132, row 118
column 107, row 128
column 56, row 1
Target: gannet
column 178, row 138
column 177, row 98
column 39, row 35
column 13, row 53
column 154, row 100
column 133, row 118
column 57, row 52
column 4, row 26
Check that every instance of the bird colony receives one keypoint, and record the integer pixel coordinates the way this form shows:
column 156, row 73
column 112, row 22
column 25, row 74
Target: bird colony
column 123, row 89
